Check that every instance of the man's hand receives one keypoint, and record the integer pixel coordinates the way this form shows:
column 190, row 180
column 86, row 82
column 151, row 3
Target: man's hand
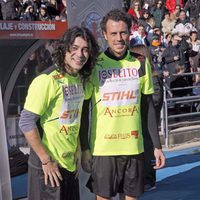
column 160, row 158
column 176, row 57
column 52, row 174
column 86, row 161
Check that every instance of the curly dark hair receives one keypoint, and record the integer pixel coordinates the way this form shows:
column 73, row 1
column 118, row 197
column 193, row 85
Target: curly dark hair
column 115, row 15
column 65, row 44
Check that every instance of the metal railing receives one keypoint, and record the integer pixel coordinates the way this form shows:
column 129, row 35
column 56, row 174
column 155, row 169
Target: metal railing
column 171, row 102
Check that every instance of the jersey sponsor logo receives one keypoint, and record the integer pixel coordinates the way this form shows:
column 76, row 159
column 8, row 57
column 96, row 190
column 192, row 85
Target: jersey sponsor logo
column 116, row 112
column 117, row 136
column 69, row 114
column 72, row 91
column 118, row 73
column 73, row 96
column 65, row 130
column 122, row 136
column 135, row 134
column 58, row 76
column 67, row 154
column 121, row 95
column 119, row 87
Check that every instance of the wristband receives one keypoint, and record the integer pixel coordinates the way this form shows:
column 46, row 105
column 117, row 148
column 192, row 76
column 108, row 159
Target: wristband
column 46, row 162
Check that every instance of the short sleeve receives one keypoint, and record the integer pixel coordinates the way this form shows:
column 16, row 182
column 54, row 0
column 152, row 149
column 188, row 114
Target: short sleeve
column 40, row 94
column 148, row 83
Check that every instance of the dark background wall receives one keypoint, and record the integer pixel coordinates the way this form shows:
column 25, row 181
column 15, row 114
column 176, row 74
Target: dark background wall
column 13, row 55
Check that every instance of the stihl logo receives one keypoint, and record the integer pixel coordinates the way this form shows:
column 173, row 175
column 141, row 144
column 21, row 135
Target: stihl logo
column 119, row 95
column 70, row 114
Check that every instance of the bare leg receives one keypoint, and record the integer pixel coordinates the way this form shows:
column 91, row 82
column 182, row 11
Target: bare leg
column 102, row 198
column 123, row 197
column 130, row 198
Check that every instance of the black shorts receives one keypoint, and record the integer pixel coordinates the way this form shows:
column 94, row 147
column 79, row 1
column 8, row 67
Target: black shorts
column 117, row 174
column 37, row 190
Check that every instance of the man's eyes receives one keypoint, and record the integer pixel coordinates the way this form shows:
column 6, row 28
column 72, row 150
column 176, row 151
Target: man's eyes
column 122, row 33
column 75, row 48
column 85, row 50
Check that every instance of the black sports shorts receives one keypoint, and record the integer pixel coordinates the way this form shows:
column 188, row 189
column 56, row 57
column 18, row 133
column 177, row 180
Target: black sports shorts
column 117, row 174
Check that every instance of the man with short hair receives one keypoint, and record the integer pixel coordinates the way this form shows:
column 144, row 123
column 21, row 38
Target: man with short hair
column 115, row 154
column 183, row 26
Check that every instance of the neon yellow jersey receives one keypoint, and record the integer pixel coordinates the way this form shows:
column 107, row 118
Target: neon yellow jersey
column 58, row 100
column 116, row 122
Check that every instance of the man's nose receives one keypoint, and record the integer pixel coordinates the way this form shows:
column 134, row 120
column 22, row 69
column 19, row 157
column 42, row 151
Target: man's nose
column 80, row 52
column 119, row 36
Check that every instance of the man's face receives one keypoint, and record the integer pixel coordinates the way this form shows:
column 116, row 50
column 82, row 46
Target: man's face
column 141, row 30
column 182, row 16
column 175, row 41
column 77, row 55
column 167, row 16
column 43, row 12
column 193, row 36
column 159, row 4
column 117, row 36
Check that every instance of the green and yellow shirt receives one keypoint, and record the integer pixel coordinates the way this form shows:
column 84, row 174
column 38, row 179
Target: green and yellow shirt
column 116, row 119
column 58, row 100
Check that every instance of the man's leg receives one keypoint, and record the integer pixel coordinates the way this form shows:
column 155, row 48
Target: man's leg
column 130, row 198
column 102, row 198
column 123, row 197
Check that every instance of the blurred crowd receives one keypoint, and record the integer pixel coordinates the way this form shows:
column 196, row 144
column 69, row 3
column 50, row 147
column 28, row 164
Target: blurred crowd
column 170, row 29
column 33, row 10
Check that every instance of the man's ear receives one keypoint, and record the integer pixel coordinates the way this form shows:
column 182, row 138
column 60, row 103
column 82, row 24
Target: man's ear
column 104, row 34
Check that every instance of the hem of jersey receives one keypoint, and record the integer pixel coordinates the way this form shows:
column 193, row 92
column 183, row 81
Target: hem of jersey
column 118, row 154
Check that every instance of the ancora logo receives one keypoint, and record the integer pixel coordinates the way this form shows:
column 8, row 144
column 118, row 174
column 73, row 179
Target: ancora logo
column 66, row 130
column 121, row 111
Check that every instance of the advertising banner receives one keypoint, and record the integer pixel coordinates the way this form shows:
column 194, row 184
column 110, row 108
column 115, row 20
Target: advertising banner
column 15, row 136
column 32, row 29
column 89, row 13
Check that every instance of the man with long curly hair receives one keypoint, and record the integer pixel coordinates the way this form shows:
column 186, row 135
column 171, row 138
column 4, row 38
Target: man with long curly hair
column 55, row 100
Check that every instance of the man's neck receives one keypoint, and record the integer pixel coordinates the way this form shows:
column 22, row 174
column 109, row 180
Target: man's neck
column 110, row 54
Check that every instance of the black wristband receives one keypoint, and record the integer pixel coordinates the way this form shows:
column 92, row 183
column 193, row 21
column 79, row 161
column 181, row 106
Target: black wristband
column 46, row 162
